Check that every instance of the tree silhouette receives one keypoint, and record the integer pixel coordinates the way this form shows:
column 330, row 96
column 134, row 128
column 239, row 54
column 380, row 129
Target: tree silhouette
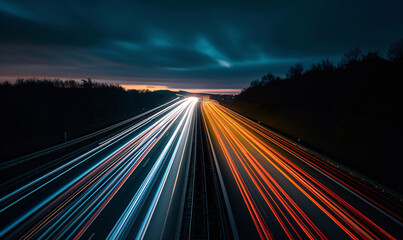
column 351, row 56
column 41, row 111
column 87, row 83
column 295, row 71
column 396, row 51
column 255, row 83
column 355, row 107
column 267, row 79
column 324, row 65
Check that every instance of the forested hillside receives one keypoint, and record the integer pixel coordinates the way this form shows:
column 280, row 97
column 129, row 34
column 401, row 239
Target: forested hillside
column 37, row 112
column 350, row 112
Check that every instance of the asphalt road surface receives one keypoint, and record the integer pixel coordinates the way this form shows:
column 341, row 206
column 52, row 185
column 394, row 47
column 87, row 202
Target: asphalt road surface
column 123, row 187
column 188, row 170
column 277, row 191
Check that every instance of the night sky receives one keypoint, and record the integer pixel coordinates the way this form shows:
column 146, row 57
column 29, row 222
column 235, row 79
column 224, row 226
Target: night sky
column 187, row 44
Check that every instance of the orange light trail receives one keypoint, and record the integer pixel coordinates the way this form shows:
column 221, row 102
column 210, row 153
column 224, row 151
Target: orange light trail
column 246, row 152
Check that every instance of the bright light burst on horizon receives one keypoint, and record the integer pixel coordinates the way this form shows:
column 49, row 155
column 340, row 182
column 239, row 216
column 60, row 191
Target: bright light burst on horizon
column 191, row 90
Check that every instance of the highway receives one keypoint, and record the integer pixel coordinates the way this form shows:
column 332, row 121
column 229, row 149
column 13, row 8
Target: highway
column 189, row 170
column 130, row 185
column 205, row 214
column 276, row 190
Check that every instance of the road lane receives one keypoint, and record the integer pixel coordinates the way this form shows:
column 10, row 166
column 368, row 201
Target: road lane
column 205, row 215
column 133, row 184
column 282, row 192
column 79, row 140
column 111, row 190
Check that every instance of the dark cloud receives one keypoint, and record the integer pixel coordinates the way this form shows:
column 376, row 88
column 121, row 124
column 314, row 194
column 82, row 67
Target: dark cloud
column 186, row 44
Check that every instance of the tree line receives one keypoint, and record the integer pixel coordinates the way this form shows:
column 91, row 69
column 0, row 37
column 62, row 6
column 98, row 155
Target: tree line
column 43, row 109
column 355, row 74
column 350, row 111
